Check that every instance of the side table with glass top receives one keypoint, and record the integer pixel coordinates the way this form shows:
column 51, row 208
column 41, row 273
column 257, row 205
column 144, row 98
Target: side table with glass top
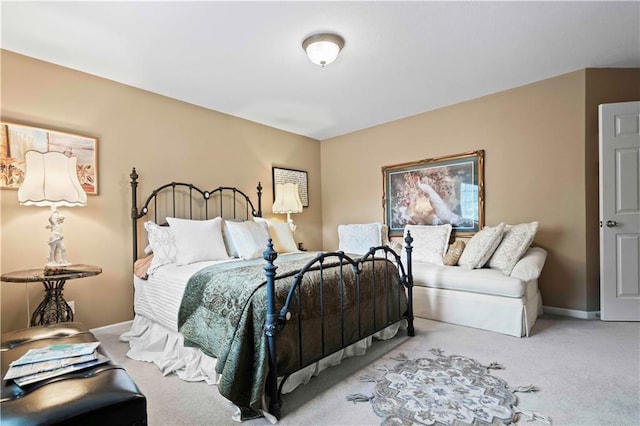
column 53, row 308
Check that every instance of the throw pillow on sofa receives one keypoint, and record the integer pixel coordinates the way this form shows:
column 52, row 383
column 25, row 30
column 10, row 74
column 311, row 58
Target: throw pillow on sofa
column 430, row 242
column 358, row 238
column 454, row 253
column 481, row 246
column 515, row 241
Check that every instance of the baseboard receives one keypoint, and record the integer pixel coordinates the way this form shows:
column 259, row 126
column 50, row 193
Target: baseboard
column 106, row 327
column 573, row 313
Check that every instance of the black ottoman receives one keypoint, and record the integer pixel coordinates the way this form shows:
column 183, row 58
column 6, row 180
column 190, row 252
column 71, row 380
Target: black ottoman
column 101, row 395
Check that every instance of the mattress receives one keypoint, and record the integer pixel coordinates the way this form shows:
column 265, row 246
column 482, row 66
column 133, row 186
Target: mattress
column 158, row 298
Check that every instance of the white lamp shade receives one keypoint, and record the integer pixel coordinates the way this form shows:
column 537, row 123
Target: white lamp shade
column 51, row 178
column 287, row 199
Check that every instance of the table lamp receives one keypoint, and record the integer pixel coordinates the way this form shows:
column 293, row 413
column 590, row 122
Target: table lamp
column 51, row 179
column 287, row 201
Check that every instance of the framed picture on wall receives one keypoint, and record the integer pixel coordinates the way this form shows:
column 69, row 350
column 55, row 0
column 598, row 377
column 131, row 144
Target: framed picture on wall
column 282, row 175
column 436, row 191
column 16, row 139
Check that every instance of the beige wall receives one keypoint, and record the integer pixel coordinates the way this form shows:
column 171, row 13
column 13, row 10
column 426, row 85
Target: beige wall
column 534, row 141
column 541, row 164
column 165, row 140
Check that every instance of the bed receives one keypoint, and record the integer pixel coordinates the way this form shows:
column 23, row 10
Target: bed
column 214, row 300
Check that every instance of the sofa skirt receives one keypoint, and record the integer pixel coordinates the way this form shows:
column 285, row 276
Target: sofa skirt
column 506, row 315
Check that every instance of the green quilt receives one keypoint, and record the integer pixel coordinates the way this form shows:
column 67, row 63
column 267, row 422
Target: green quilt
column 224, row 308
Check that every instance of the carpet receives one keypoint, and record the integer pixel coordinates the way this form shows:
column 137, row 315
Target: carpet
column 444, row 390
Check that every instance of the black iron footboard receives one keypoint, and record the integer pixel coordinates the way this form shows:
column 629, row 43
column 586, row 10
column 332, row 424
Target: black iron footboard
column 275, row 321
column 185, row 200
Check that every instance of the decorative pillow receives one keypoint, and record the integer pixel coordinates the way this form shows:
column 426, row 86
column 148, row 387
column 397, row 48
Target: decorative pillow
column 430, row 242
column 228, row 241
column 481, row 246
column 141, row 267
column 162, row 244
column 396, row 245
column 249, row 238
column 198, row 240
column 514, row 244
column 454, row 253
column 281, row 235
column 358, row 238
column 384, row 235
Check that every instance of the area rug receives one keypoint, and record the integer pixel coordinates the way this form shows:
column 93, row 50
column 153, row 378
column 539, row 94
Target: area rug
column 444, row 390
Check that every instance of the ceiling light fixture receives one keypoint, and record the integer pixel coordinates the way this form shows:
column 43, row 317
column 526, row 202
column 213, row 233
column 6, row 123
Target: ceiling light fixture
column 323, row 48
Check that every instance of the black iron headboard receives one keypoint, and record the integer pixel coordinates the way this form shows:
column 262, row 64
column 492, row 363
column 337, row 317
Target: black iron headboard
column 178, row 199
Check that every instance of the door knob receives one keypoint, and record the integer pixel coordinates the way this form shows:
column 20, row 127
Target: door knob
column 612, row 223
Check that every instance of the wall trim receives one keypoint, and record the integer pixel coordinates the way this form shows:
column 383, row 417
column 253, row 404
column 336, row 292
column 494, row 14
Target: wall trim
column 573, row 313
column 106, row 327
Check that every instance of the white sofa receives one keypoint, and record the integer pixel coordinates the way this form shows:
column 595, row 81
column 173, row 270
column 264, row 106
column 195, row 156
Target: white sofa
column 502, row 296
column 482, row 298
column 496, row 285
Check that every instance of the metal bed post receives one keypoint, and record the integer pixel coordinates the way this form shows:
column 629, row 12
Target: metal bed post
column 409, row 248
column 134, row 211
column 259, row 189
column 271, row 329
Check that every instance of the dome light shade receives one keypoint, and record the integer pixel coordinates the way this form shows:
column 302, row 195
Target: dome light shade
column 322, row 49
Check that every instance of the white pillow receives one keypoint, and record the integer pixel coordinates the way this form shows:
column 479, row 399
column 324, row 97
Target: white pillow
column 249, row 238
column 228, row 241
column 162, row 244
column 358, row 238
column 515, row 242
column 481, row 246
column 281, row 235
column 430, row 242
column 530, row 265
column 198, row 240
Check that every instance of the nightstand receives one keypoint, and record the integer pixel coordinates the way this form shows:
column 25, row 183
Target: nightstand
column 53, row 308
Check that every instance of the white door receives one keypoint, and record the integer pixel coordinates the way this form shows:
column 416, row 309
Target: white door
column 620, row 211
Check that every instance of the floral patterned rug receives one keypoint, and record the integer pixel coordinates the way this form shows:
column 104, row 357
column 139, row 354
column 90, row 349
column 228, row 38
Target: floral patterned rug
column 445, row 390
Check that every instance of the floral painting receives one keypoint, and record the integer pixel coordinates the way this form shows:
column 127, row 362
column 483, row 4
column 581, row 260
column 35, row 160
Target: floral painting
column 17, row 139
column 436, row 191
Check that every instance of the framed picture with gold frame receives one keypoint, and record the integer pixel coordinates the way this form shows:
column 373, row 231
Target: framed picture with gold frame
column 436, row 191
column 16, row 139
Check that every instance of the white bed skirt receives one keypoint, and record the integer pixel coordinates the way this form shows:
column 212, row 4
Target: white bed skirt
column 151, row 342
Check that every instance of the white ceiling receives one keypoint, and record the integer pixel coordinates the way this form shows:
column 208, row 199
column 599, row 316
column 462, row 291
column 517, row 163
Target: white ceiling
column 400, row 58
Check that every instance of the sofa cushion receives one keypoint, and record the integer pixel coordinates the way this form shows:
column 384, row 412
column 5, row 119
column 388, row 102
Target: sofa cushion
column 515, row 241
column 430, row 243
column 481, row 246
column 484, row 280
